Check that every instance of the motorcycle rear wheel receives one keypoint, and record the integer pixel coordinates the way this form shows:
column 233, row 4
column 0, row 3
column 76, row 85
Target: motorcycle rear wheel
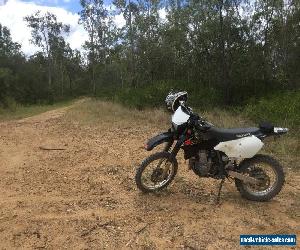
column 257, row 167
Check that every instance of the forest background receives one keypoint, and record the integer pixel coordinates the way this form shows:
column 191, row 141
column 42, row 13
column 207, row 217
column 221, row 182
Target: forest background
column 240, row 55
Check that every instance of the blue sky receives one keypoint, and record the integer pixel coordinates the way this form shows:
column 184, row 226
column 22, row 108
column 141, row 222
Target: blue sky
column 70, row 5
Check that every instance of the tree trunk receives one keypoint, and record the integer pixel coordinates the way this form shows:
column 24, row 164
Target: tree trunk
column 93, row 80
column 70, row 85
column 224, row 71
column 49, row 77
column 93, row 62
column 132, row 60
column 62, row 79
column 122, row 80
column 50, row 94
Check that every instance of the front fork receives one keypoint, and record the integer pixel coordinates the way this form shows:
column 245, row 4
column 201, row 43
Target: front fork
column 174, row 151
column 168, row 145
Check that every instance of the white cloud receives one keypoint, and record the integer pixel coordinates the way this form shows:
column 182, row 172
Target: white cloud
column 162, row 14
column 12, row 15
column 119, row 20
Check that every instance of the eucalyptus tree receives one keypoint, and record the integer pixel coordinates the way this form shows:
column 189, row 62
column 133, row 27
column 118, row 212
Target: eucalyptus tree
column 129, row 10
column 59, row 49
column 290, row 44
column 148, row 44
column 202, row 36
column 10, row 59
column 93, row 17
column 74, row 69
column 7, row 46
column 46, row 31
column 176, row 35
column 276, row 25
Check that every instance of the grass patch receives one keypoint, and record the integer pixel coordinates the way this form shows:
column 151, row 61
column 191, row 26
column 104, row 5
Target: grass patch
column 21, row 111
column 94, row 111
column 281, row 108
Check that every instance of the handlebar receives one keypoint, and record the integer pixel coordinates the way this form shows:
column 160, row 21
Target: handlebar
column 197, row 121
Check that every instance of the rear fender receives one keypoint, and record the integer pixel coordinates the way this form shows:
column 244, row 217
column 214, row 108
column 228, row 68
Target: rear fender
column 159, row 139
column 268, row 129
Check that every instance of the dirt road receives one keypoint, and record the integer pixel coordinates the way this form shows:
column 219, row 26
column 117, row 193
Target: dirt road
column 84, row 196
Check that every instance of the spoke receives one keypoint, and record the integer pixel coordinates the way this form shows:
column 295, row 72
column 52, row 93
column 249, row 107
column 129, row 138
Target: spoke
column 156, row 174
column 265, row 174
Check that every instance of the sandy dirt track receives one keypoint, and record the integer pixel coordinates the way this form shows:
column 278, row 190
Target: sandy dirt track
column 84, row 197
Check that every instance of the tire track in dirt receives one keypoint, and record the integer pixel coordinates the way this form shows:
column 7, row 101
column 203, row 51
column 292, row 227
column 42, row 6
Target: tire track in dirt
column 84, row 197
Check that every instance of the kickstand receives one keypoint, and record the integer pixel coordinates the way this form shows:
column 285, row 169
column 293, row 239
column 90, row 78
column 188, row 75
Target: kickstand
column 219, row 191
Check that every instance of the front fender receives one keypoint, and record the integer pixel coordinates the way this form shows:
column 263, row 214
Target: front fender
column 159, row 139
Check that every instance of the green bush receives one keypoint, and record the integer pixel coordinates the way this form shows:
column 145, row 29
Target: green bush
column 280, row 108
column 8, row 103
column 153, row 95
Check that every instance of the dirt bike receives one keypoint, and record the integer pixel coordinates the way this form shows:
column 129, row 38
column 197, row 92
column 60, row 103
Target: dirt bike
column 213, row 152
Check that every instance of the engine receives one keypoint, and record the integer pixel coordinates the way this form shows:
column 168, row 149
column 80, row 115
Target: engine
column 203, row 164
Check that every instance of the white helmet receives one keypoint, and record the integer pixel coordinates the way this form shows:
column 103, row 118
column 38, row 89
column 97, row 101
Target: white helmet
column 173, row 99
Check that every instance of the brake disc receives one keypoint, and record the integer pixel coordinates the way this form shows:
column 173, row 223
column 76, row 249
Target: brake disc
column 156, row 175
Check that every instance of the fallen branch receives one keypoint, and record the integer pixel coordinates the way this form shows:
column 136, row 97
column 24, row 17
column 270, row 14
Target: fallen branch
column 141, row 229
column 137, row 232
column 46, row 148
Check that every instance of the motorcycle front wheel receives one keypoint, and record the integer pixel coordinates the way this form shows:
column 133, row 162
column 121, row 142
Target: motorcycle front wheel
column 156, row 172
column 265, row 169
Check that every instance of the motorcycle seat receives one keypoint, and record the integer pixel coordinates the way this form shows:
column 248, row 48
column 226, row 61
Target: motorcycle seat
column 228, row 134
